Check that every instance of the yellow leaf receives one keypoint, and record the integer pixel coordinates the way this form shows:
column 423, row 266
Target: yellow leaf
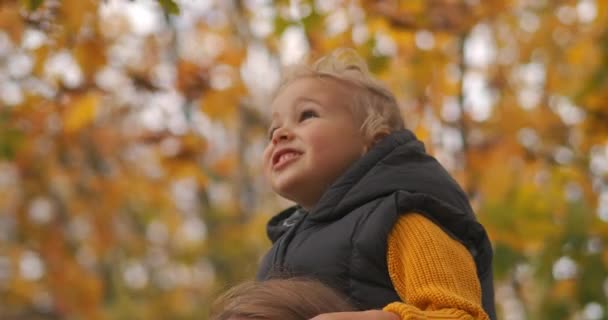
column 564, row 289
column 10, row 21
column 74, row 13
column 423, row 134
column 90, row 55
column 583, row 54
column 225, row 166
column 222, row 105
column 412, row 6
column 81, row 112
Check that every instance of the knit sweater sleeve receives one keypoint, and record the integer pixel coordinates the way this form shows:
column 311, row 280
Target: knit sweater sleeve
column 434, row 275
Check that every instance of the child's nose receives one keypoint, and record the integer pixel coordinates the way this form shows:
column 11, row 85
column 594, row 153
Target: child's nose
column 281, row 134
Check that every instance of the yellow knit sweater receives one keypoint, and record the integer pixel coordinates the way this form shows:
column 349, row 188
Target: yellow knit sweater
column 434, row 275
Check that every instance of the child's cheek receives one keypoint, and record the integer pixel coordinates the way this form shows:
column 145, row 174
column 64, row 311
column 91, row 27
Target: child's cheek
column 319, row 150
column 265, row 156
column 320, row 140
column 266, row 161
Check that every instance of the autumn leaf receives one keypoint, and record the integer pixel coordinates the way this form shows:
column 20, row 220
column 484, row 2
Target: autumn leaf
column 90, row 55
column 169, row 6
column 34, row 4
column 81, row 112
column 10, row 21
column 222, row 104
column 75, row 13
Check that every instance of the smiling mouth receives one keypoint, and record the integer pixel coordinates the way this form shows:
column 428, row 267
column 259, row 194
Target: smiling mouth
column 284, row 159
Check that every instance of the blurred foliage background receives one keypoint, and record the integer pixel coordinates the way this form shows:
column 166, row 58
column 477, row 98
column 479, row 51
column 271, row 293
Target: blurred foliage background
column 131, row 135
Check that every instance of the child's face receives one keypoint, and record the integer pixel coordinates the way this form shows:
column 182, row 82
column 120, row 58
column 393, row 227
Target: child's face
column 314, row 138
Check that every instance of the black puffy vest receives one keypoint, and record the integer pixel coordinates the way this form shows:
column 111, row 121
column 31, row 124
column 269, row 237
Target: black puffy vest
column 343, row 240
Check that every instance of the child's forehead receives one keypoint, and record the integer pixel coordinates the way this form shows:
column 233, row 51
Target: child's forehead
column 310, row 89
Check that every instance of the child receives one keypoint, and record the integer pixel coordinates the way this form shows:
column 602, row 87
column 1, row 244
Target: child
column 279, row 299
column 376, row 217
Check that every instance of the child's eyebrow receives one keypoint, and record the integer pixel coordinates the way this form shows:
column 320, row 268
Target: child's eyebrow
column 299, row 100
column 296, row 102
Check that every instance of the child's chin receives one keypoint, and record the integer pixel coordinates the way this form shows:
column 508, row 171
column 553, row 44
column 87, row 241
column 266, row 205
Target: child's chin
column 287, row 191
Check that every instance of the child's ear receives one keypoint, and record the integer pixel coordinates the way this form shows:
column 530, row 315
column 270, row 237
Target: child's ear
column 375, row 139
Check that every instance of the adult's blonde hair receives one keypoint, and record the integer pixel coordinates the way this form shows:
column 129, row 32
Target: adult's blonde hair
column 279, row 299
column 372, row 103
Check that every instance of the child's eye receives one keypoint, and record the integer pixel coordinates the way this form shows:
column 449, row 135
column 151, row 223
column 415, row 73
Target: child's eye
column 308, row 114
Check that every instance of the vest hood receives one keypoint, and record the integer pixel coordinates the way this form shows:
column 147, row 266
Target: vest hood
column 381, row 172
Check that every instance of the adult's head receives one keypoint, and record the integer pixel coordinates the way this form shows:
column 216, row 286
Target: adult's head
column 278, row 299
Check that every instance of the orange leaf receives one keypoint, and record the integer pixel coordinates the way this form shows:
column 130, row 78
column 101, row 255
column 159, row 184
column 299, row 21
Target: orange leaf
column 10, row 21
column 81, row 112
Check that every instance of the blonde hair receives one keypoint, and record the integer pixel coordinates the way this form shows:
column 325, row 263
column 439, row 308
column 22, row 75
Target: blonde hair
column 373, row 103
column 279, row 299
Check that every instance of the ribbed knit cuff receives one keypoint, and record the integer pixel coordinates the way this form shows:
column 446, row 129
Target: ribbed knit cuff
column 408, row 312
column 404, row 311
